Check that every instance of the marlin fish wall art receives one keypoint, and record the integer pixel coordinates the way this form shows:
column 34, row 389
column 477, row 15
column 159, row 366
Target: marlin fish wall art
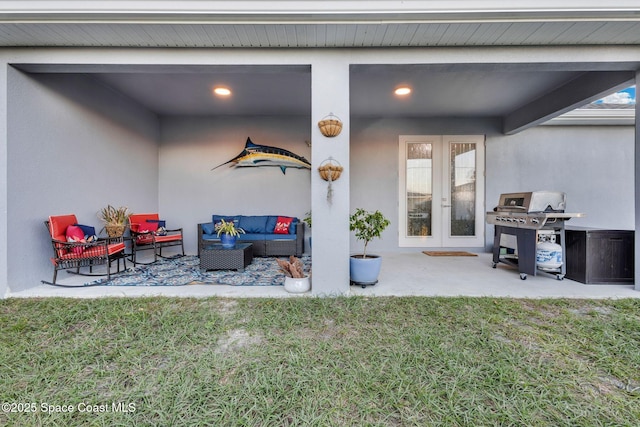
column 264, row 155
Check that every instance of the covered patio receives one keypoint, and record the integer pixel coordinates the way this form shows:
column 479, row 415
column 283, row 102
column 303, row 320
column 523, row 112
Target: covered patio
column 134, row 91
column 403, row 274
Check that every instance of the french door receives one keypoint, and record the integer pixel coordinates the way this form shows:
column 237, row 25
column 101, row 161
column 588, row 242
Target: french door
column 441, row 194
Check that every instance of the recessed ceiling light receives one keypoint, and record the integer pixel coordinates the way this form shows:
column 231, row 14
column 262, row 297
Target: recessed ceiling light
column 403, row 90
column 222, row 91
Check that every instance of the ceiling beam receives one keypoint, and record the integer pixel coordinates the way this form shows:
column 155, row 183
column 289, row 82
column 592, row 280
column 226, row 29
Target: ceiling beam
column 587, row 88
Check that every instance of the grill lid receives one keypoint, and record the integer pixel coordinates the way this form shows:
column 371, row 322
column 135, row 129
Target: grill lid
column 532, row 202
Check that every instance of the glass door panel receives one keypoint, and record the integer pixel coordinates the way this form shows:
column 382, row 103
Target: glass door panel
column 462, row 157
column 419, row 189
column 463, row 190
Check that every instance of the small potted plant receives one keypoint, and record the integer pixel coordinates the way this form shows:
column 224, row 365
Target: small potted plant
column 307, row 220
column 365, row 268
column 228, row 233
column 114, row 219
column 295, row 280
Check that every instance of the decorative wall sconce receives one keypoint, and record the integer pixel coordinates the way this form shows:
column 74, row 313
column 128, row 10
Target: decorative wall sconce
column 330, row 126
column 330, row 170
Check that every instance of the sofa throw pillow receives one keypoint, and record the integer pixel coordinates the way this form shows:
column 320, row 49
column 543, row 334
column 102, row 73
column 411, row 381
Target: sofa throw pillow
column 254, row 224
column 75, row 235
column 207, row 228
column 87, row 230
column 282, row 225
column 218, row 219
column 272, row 220
column 161, row 222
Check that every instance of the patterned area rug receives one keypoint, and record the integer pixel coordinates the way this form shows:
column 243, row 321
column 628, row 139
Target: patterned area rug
column 186, row 271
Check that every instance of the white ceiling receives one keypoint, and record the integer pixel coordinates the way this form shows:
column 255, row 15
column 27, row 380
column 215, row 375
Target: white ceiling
column 257, row 90
column 437, row 91
column 286, row 90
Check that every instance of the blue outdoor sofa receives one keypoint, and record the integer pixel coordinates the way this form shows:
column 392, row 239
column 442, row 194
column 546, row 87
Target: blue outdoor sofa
column 260, row 231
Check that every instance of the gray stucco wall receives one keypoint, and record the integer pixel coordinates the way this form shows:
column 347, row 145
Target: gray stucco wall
column 74, row 146
column 593, row 165
column 128, row 156
column 190, row 192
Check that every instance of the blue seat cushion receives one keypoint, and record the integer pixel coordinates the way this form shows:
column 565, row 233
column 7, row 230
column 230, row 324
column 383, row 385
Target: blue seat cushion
column 279, row 237
column 251, row 236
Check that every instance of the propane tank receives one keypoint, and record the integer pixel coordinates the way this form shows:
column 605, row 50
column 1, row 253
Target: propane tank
column 548, row 253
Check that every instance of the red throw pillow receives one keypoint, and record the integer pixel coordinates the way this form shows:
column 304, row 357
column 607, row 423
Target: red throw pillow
column 75, row 234
column 282, row 225
column 147, row 227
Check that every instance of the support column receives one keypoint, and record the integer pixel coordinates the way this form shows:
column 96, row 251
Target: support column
column 637, row 191
column 330, row 94
column 4, row 265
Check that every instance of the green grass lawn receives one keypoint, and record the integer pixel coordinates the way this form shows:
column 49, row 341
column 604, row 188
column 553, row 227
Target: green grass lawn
column 319, row 362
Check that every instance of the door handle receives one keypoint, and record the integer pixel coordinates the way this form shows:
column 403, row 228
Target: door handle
column 446, row 206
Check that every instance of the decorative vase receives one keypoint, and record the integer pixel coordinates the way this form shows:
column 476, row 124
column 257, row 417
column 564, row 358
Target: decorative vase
column 365, row 271
column 227, row 240
column 114, row 230
column 297, row 285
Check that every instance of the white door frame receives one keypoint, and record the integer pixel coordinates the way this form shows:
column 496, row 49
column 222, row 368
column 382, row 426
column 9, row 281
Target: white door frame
column 441, row 203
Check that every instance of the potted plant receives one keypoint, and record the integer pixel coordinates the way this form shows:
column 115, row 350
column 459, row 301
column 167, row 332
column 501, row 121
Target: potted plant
column 295, row 281
column 307, row 220
column 115, row 220
column 228, row 233
column 364, row 268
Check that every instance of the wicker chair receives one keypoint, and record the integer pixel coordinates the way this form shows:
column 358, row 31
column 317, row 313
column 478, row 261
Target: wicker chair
column 149, row 232
column 70, row 253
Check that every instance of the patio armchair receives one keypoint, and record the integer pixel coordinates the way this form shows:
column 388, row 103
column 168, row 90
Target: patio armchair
column 75, row 246
column 148, row 232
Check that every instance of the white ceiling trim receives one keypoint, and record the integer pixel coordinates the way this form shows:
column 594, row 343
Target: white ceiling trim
column 312, row 11
column 582, row 117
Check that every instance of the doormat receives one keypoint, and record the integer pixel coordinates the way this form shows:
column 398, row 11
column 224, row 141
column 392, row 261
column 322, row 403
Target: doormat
column 448, row 253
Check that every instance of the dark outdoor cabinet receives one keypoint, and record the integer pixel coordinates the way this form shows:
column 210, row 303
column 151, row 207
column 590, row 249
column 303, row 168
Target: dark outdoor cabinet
column 599, row 256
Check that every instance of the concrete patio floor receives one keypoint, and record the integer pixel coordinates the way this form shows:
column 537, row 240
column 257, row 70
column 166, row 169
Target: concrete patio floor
column 403, row 274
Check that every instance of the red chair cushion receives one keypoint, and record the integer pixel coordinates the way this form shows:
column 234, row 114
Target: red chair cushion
column 58, row 226
column 169, row 238
column 138, row 223
column 135, row 220
column 96, row 251
column 115, row 248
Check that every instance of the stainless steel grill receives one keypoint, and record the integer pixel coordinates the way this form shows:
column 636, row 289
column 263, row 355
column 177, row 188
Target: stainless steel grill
column 524, row 216
column 535, row 210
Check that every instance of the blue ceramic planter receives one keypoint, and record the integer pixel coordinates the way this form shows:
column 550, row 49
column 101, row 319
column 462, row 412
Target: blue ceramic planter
column 365, row 271
column 227, row 240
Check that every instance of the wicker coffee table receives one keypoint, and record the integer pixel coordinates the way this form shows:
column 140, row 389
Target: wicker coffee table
column 215, row 257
